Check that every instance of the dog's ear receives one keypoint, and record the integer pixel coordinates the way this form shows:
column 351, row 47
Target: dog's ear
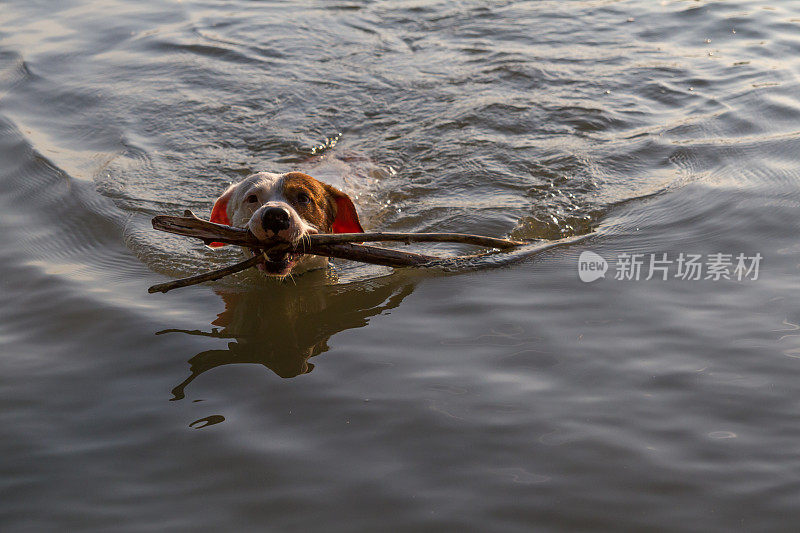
column 219, row 213
column 346, row 220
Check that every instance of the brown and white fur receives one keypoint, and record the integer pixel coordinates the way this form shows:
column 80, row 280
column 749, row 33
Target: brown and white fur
column 287, row 206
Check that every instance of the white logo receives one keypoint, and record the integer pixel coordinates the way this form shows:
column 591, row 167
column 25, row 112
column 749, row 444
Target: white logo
column 690, row 267
column 591, row 267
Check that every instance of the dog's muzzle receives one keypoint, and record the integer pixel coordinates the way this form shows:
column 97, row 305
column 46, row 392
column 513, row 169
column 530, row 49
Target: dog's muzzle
column 279, row 222
column 275, row 219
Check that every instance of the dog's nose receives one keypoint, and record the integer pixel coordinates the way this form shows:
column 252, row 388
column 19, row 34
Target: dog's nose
column 275, row 219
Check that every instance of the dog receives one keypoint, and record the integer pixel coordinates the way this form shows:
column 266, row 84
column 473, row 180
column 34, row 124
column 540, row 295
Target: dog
column 286, row 207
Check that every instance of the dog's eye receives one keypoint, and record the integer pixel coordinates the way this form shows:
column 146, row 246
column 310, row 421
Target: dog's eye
column 303, row 198
column 252, row 199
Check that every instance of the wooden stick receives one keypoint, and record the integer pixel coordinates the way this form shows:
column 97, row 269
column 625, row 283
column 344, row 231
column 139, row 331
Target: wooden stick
column 341, row 245
column 208, row 276
column 191, row 226
column 370, row 254
column 354, row 252
column 462, row 238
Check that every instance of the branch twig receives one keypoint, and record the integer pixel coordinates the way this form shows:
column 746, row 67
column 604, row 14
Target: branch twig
column 208, row 276
column 191, row 226
column 340, row 245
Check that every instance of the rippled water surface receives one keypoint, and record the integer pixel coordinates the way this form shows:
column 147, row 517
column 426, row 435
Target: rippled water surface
column 509, row 397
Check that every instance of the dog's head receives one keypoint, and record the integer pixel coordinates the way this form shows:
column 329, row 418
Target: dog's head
column 287, row 207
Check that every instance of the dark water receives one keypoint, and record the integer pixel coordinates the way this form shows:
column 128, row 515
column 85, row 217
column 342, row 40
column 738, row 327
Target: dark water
column 506, row 399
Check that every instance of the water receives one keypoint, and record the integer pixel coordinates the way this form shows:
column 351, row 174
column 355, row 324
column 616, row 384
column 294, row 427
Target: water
column 508, row 398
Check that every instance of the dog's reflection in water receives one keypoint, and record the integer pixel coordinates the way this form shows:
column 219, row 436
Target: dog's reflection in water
column 283, row 326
